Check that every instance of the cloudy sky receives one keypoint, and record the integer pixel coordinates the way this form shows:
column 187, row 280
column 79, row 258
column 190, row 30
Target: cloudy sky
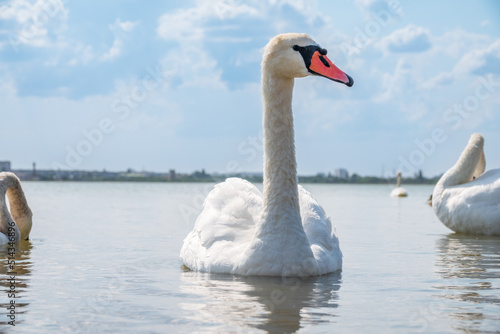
column 164, row 85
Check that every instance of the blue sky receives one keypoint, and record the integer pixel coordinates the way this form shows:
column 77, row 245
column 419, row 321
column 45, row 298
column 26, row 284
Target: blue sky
column 176, row 85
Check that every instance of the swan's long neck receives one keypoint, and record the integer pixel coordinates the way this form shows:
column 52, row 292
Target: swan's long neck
column 470, row 163
column 481, row 165
column 19, row 209
column 281, row 202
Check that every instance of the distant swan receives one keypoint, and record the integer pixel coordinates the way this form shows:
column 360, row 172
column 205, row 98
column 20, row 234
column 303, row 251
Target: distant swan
column 19, row 217
column 284, row 231
column 399, row 191
column 466, row 199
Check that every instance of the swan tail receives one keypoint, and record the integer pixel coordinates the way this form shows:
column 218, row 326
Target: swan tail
column 322, row 237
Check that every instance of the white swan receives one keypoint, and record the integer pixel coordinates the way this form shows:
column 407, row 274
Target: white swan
column 16, row 224
column 466, row 199
column 284, row 231
column 399, row 191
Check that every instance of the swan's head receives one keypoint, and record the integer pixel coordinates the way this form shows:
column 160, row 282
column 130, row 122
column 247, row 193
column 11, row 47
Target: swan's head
column 295, row 55
column 476, row 140
column 25, row 223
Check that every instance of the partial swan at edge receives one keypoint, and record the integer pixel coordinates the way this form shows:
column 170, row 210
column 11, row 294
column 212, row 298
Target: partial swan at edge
column 282, row 231
column 19, row 218
column 466, row 199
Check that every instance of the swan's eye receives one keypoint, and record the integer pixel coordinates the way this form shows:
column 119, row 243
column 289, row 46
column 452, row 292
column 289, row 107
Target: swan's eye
column 296, row 47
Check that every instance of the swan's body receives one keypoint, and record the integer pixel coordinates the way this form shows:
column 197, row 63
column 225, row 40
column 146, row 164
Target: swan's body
column 466, row 199
column 283, row 231
column 15, row 224
column 399, row 191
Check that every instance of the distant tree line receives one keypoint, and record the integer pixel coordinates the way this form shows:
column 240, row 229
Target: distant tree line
column 202, row 176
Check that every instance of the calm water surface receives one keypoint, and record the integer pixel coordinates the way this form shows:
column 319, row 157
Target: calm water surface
column 104, row 257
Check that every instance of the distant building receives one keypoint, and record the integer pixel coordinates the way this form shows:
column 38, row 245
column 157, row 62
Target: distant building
column 4, row 166
column 171, row 175
column 342, row 173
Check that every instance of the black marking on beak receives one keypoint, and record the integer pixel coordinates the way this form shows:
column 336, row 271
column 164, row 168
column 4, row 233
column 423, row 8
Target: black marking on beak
column 308, row 51
column 323, row 60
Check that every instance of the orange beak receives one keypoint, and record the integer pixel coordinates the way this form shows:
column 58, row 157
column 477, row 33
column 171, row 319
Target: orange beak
column 321, row 65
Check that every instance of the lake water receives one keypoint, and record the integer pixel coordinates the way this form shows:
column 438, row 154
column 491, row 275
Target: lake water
column 104, row 257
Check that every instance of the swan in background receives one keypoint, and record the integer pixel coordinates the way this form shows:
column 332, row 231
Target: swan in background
column 19, row 217
column 399, row 191
column 284, row 231
column 466, row 199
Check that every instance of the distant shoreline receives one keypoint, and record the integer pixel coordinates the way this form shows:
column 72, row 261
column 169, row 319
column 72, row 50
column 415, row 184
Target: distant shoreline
column 202, row 176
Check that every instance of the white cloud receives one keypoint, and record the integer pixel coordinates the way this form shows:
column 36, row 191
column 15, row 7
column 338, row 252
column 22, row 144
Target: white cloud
column 27, row 23
column 476, row 60
column 204, row 31
column 19, row 10
column 185, row 25
column 412, row 39
column 318, row 113
column 481, row 61
column 485, row 23
column 120, row 30
column 394, row 85
column 127, row 26
column 253, row 56
column 195, row 68
column 228, row 9
column 375, row 7
column 442, row 79
column 190, row 29
column 114, row 51
column 84, row 54
column 180, row 25
column 457, row 42
column 308, row 8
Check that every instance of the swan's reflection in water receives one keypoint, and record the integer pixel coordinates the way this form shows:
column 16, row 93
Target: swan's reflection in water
column 20, row 272
column 273, row 304
column 470, row 268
